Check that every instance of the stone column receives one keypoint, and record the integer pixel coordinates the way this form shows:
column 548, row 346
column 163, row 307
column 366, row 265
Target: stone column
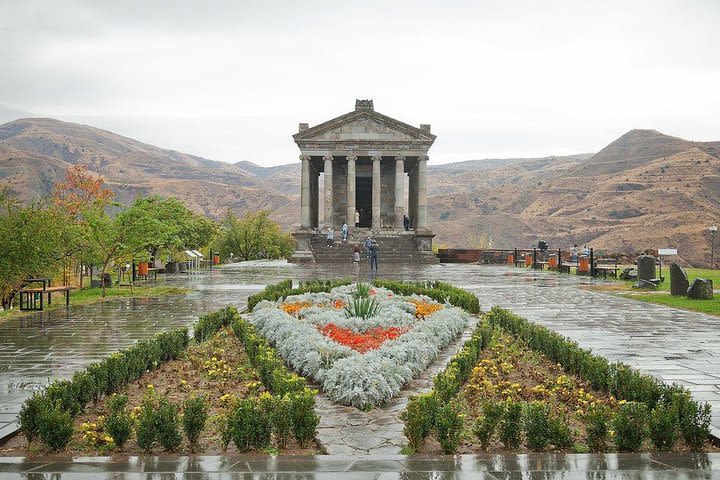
column 305, row 192
column 421, row 221
column 399, row 190
column 328, row 190
column 376, row 225
column 350, row 217
column 412, row 196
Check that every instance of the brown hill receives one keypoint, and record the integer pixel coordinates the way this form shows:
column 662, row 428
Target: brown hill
column 34, row 154
column 644, row 190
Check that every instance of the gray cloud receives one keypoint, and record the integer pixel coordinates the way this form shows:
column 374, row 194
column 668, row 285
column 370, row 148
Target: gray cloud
column 231, row 80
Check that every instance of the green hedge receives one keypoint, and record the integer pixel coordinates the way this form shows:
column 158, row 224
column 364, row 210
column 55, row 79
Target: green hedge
column 99, row 379
column 438, row 291
column 421, row 414
column 208, row 325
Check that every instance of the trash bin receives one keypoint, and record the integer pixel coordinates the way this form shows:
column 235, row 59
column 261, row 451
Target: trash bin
column 216, row 258
column 143, row 268
column 583, row 266
column 511, row 259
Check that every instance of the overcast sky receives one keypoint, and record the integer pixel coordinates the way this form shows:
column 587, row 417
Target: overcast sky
column 231, row 80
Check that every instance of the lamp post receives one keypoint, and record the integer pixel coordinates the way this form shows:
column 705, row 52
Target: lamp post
column 713, row 231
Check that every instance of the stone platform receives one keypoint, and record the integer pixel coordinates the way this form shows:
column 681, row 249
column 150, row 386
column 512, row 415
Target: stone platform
column 485, row 466
column 394, row 246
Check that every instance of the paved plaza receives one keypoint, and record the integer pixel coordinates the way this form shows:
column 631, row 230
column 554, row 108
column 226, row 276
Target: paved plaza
column 676, row 346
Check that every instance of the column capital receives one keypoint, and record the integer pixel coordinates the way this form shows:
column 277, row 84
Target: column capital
column 376, row 158
column 400, row 158
column 351, row 158
column 423, row 158
column 304, row 157
column 327, row 157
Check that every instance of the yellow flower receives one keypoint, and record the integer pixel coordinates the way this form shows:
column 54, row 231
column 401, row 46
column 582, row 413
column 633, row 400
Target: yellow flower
column 622, row 402
column 108, row 438
column 150, row 386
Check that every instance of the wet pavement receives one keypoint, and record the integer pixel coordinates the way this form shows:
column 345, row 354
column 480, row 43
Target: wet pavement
column 674, row 345
column 488, row 466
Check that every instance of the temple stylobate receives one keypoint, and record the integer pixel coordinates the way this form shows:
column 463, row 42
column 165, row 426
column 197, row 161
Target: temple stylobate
column 374, row 177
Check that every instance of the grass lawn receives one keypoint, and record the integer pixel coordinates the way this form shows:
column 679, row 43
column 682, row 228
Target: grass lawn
column 705, row 306
column 692, row 274
column 93, row 295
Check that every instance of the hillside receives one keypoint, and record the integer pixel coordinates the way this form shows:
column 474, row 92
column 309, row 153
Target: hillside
column 644, row 190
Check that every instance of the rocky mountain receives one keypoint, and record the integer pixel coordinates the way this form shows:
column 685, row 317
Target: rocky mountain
column 644, row 190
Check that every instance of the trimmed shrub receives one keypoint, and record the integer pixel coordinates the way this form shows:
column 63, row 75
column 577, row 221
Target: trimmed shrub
column 304, row 419
column 597, row 424
column 209, row 324
column 281, row 419
column 486, row 425
column 249, row 425
column 118, row 423
column 448, row 427
column 695, row 425
column 419, row 418
column 145, row 430
column 167, row 423
column 537, row 425
column 630, row 425
column 663, row 423
column 31, row 415
column 560, row 433
column 510, row 428
column 195, row 414
column 56, row 427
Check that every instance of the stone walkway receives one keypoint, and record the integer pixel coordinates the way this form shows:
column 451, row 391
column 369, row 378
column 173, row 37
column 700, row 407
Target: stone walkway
column 381, row 467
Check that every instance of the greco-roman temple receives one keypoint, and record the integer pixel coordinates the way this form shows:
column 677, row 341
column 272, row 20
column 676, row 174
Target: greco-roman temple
column 371, row 164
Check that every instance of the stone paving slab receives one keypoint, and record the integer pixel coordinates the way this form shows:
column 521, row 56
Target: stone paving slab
column 491, row 466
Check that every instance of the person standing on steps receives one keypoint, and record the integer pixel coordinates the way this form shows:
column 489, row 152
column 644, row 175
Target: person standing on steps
column 357, row 219
column 373, row 257
column 368, row 242
column 344, row 232
column 330, row 237
column 356, row 254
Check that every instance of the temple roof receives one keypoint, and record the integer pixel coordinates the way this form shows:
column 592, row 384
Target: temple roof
column 363, row 126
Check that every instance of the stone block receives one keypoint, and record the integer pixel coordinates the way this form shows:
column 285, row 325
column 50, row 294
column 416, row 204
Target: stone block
column 701, row 289
column 679, row 283
column 645, row 267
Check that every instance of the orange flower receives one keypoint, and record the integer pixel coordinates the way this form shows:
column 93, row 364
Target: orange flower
column 361, row 342
column 339, row 304
column 294, row 307
column 423, row 309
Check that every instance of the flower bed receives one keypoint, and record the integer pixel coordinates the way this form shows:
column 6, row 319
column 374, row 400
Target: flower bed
column 522, row 386
column 227, row 388
column 360, row 359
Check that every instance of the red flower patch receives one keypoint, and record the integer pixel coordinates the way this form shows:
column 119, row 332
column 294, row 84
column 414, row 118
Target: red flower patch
column 361, row 342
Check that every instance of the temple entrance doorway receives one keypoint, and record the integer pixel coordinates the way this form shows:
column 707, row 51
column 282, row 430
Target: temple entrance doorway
column 363, row 200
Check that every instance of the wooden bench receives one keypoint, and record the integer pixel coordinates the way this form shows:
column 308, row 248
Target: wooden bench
column 31, row 299
column 606, row 265
column 541, row 265
column 566, row 266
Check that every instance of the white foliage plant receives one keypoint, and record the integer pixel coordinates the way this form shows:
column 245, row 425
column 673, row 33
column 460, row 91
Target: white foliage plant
column 363, row 380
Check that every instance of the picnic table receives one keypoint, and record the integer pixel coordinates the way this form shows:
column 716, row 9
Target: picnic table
column 566, row 266
column 32, row 299
column 541, row 265
column 606, row 265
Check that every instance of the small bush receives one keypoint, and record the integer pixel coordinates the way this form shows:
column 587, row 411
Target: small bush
column 281, row 419
column 663, row 427
column 56, row 427
column 249, row 425
column 487, row 424
column 511, row 425
column 597, row 424
column 195, row 414
column 145, row 430
column 537, row 425
column 560, row 433
column 168, row 425
column 695, row 425
column 304, row 419
column 630, row 424
column 209, row 324
column 448, row 427
column 419, row 418
column 31, row 413
column 118, row 423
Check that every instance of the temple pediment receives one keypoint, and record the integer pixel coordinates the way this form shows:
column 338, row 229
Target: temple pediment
column 364, row 125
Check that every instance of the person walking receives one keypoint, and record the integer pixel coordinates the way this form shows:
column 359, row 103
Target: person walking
column 356, row 254
column 330, row 237
column 357, row 219
column 368, row 242
column 344, row 232
column 373, row 257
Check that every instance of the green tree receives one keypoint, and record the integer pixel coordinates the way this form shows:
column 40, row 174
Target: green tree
column 32, row 243
column 253, row 236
